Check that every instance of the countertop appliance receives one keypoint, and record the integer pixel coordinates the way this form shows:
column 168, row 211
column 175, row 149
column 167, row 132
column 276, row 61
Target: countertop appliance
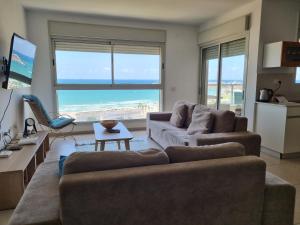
column 265, row 95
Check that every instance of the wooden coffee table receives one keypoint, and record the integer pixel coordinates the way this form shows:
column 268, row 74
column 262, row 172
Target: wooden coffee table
column 102, row 136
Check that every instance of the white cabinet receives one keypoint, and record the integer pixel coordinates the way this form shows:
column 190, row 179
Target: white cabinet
column 281, row 54
column 279, row 127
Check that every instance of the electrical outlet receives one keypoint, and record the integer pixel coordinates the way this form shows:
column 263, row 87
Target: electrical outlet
column 276, row 81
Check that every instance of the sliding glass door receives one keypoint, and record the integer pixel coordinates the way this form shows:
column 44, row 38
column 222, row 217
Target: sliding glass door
column 223, row 70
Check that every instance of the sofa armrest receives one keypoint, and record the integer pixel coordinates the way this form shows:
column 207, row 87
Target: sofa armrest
column 160, row 116
column 251, row 141
column 279, row 201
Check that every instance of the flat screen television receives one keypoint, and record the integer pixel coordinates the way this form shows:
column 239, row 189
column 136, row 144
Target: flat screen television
column 20, row 63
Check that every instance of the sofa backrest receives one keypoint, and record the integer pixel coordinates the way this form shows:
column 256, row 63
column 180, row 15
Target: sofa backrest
column 178, row 154
column 240, row 124
column 218, row 191
column 225, row 120
column 79, row 162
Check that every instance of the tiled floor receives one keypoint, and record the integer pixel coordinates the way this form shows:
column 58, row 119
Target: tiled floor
column 289, row 170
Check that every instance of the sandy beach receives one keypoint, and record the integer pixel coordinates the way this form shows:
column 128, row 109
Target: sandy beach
column 136, row 111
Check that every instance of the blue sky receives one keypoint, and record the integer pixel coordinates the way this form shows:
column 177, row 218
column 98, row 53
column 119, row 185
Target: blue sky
column 95, row 65
column 232, row 68
column 24, row 47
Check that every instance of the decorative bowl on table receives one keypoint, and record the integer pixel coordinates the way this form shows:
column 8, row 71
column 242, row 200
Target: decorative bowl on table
column 109, row 124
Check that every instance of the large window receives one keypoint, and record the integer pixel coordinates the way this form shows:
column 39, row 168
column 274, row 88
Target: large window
column 223, row 72
column 96, row 81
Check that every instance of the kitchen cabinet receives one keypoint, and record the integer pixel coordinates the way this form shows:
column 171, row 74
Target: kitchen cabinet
column 281, row 54
column 279, row 127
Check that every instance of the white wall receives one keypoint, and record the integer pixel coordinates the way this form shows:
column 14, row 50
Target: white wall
column 253, row 8
column 12, row 19
column 181, row 77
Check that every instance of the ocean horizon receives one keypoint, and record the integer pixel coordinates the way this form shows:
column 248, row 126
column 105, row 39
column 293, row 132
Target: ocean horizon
column 97, row 100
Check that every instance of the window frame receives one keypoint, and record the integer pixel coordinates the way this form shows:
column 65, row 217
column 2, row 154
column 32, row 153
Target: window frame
column 112, row 86
column 202, row 81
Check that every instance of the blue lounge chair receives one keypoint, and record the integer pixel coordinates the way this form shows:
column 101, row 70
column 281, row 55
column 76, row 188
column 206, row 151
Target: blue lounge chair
column 43, row 118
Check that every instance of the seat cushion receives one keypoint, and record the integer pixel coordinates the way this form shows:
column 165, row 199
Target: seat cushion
column 80, row 162
column 61, row 122
column 179, row 114
column 163, row 125
column 175, row 137
column 39, row 204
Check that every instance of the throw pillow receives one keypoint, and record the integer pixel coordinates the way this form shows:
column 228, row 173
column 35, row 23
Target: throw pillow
column 61, row 162
column 202, row 121
column 179, row 114
column 190, row 110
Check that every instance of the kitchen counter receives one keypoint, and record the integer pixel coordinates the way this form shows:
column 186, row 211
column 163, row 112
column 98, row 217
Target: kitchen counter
column 288, row 104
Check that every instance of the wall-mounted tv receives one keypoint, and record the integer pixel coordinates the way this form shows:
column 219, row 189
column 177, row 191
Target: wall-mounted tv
column 20, row 63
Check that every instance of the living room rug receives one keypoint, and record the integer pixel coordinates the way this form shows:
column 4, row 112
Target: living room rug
column 137, row 143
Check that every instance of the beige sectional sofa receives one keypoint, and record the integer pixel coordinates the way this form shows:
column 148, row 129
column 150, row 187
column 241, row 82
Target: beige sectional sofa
column 215, row 185
column 223, row 130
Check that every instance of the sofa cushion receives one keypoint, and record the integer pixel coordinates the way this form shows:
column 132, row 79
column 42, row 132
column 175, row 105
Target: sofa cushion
column 224, row 121
column 189, row 115
column 240, row 123
column 174, row 137
column 202, row 121
column 179, row 114
column 39, row 204
column 80, row 162
column 179, row 154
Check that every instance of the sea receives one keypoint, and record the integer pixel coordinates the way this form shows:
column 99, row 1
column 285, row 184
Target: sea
column 97, row 100
column 21, row 64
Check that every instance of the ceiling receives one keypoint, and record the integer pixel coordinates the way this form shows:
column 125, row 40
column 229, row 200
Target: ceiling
column 174, row 11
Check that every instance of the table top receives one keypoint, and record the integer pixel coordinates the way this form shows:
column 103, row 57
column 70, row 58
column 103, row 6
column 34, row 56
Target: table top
column 19, row 160
column 102, row 135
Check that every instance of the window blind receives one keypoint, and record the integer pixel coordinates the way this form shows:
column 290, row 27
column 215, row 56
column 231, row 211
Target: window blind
column 233, row 48
column 94, row 31
column 90, row 47
column 211, row 53
column 127, row 49
column 82, row 47
column 233, row 27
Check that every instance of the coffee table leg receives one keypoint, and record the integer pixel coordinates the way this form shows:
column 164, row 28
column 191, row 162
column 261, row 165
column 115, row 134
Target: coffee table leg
column 119, row 145
column 96, row 146
column 127, row 145
column 102, row 145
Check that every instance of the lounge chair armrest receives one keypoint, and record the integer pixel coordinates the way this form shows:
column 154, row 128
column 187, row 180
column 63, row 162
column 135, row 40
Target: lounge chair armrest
column 251, row 141
column 279, row 201
column 160, row 116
